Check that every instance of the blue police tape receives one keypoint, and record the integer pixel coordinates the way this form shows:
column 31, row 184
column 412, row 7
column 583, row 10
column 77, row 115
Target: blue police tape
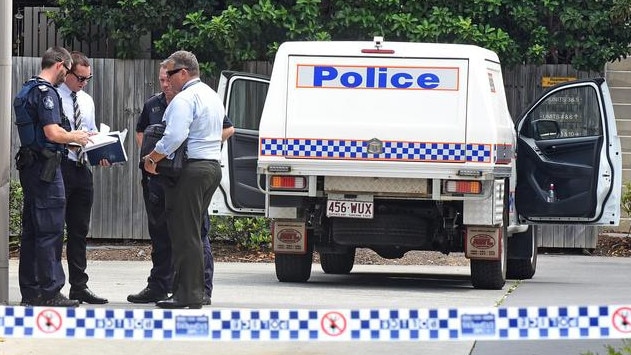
column 511, row 323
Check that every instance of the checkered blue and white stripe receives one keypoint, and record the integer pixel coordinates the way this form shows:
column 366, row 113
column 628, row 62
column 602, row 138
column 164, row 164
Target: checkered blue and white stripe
column 357, row 150
column 590, row 322
column 406, row 324
column 512, row 323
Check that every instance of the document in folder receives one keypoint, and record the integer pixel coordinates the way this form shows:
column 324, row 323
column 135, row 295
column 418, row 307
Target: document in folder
column 107, row 145
column 99, row 140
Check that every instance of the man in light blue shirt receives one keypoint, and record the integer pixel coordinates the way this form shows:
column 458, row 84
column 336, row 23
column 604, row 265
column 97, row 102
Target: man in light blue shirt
column 194, row 115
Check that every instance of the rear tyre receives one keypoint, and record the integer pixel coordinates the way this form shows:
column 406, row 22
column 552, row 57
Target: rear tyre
column 338, row 263
column 488, row 274
column 293, row 267
column 491, row 274
column 523, row 268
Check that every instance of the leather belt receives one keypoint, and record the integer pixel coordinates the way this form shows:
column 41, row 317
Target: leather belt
column 209, row 160
column 72, row 162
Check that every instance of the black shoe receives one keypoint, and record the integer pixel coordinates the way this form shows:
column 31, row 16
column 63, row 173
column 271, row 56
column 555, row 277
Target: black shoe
column 87, row 296
column 147, row 295
column 171, row 303
column 30, row 302
column 206, row 301
column 59, row 300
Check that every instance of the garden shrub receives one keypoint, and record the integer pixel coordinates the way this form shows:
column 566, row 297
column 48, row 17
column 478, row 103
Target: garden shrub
column 247, row 232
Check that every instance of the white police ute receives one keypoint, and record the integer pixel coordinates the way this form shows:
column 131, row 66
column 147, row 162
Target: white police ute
column 410, row 146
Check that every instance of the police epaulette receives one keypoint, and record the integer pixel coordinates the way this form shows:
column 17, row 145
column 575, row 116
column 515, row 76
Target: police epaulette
column 42, row 88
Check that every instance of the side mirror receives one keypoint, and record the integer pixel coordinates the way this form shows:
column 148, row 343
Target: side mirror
column 546, row 129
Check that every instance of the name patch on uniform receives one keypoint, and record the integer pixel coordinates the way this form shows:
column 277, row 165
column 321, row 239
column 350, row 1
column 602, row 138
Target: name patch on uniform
column 48, row 102
column 382, row 77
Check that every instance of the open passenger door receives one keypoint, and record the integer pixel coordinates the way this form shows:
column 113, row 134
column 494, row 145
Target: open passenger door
column 238, row 194
column 569, row 162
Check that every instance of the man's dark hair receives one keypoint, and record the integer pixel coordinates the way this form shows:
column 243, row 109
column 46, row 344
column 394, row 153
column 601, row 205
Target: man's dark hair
column 78, row 58
column 186, row 60
column 55, row 55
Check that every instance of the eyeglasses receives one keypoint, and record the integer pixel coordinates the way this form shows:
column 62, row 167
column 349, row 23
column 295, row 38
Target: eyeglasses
column 81, row 78
column 63, row 62
column 174, row 71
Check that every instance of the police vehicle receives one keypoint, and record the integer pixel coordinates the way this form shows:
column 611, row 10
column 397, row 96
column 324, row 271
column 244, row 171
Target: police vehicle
column 410, row 146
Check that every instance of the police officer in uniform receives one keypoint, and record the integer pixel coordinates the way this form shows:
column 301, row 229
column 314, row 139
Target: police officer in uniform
column 42, row 137
column 161, row 274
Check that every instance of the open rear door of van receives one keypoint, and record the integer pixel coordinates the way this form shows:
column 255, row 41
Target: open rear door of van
column 243, row 95
column 569, row 160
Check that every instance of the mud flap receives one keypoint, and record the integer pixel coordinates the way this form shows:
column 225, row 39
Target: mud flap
column 289, row 237
column 483, row 243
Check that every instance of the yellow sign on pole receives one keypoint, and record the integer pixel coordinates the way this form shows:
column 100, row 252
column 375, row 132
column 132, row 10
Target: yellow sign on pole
column 548, row 81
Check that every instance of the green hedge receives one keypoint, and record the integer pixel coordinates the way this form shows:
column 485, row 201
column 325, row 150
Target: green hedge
column 15, row 212
column 247, row 233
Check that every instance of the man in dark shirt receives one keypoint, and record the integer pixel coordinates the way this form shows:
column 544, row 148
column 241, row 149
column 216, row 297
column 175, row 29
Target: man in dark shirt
column 161, row 275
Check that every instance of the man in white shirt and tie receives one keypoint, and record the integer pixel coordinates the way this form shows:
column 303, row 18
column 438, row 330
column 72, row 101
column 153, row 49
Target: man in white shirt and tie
column 78, row 107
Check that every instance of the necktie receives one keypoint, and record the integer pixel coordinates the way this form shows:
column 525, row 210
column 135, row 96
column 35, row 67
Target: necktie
column 77, row 125
column 77, row 112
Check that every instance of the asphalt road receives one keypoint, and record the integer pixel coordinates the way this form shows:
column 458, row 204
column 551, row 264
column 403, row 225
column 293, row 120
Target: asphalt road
column 561, row 280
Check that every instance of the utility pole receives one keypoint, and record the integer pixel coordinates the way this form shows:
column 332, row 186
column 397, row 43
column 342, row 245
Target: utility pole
column 6, row 19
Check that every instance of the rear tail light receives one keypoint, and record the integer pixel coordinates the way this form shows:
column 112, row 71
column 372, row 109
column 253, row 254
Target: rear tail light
column 463, row 187
column 285, row 182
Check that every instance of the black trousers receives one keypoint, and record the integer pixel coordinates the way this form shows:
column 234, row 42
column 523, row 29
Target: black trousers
column 79, row 198
column 185, row 202
column 161, row 274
